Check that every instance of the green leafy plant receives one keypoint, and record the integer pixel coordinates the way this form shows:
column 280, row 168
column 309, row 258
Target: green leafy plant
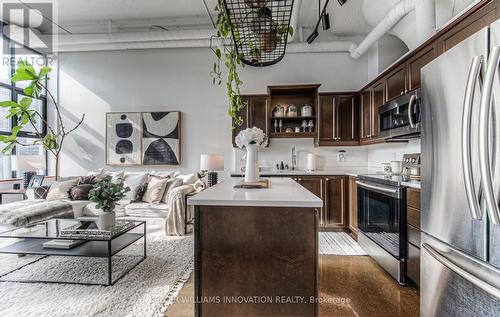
column 53, row 139
column 232, row 60
column 107, row 192
column 229, row 36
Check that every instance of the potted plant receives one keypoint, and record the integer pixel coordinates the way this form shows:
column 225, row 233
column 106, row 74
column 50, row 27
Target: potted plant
column 251, row 139
column 53, row 140
column 106, row 193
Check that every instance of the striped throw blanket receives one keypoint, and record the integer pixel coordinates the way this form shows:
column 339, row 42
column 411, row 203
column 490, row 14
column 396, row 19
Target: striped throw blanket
column 26, row 212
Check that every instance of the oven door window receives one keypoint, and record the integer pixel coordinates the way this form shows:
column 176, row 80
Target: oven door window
column 378, row 219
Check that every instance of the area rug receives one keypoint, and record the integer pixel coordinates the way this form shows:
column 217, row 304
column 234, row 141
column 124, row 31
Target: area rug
column 338, row 243
column 147, row 290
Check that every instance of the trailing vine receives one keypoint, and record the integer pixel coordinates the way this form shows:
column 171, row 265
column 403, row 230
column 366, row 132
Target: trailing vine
column 229, row 36
column 232, row 60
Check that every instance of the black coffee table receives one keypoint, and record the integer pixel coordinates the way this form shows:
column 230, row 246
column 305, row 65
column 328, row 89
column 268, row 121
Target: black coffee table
column 31, row 239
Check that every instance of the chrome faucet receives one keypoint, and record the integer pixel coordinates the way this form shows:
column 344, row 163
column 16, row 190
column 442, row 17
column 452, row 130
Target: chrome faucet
column 294, row 158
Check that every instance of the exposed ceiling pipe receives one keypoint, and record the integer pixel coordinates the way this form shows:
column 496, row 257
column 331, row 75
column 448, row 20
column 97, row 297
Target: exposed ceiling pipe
column 294, row 19
column 399, row 11
column 153, row 36
column 321, row 47
column 425, row 14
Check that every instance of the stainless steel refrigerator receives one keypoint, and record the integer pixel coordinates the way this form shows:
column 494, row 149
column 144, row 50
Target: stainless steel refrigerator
column 460, row 251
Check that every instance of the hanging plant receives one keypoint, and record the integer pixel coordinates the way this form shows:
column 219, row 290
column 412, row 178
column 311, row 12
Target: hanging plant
column 253, row 37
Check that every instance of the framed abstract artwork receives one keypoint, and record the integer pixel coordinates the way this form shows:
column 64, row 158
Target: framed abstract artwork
column 161, row 140
column 143, row 138
column 123, row 138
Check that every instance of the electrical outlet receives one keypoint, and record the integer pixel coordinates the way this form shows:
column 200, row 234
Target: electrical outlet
column 341, row 157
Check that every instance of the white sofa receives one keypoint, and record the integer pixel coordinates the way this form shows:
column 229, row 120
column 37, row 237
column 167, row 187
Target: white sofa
column 175, row 214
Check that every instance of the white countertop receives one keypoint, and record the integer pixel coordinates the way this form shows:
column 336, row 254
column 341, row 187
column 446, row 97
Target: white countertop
column 412, row 184
column 349, row 171
column 282, row 192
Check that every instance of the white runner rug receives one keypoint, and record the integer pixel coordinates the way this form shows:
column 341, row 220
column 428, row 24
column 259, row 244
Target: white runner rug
column 338, row 243
column 147, row 290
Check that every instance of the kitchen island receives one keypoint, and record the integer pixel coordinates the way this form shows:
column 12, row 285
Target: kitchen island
column 256, row 250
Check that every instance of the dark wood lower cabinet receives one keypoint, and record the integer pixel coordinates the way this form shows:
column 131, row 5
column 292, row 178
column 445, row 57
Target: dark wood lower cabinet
column 332, row 190
column 335, row 211
column 413, row 234
column 250, row 261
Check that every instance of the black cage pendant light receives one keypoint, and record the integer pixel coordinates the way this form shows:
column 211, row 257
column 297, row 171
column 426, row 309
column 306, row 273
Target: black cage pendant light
column 260, row 29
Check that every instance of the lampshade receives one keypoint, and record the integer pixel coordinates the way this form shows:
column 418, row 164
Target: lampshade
column 212, row 162
column 27, row 162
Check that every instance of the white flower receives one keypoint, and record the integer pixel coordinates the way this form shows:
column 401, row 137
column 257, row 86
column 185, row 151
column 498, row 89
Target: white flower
column 251, row 136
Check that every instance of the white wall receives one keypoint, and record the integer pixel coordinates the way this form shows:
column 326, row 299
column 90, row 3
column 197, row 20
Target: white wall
column 384, row 153
column 160, row 80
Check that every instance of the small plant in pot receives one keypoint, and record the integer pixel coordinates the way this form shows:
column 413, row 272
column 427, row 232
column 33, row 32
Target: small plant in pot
column 106, row 193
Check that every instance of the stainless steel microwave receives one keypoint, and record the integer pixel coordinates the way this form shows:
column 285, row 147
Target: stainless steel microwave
column 400, row 118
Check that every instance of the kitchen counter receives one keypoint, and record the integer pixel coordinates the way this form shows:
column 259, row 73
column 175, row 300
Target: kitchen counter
column 352, row 171
column 412, row 184
column 272, row 233
column 282, row 192
column 349, row 171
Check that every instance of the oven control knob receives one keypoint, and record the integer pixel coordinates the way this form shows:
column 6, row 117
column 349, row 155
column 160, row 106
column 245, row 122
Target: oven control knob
column 413, row 160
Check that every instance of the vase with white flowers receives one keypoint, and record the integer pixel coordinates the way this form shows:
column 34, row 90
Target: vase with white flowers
column 251, row 139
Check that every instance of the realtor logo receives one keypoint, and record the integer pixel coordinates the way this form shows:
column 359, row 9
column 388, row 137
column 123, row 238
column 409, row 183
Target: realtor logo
column 25, row 21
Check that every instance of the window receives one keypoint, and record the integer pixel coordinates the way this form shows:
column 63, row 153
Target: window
column 14, row 91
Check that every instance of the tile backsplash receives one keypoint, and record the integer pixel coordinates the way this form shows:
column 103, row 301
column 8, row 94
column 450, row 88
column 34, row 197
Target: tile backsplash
column 327, row 157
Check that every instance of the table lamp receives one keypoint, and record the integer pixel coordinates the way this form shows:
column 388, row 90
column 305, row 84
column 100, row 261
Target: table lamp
column 212, row 163
column 28, row 164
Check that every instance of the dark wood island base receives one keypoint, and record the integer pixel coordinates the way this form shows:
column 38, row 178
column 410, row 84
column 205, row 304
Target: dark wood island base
column 255, row 261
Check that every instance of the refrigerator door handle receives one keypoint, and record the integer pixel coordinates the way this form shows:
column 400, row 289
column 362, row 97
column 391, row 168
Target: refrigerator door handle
column 482, row 275
column 484, row 138
column 472, row 199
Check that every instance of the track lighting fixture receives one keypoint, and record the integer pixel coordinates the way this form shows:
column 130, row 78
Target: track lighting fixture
column 313, row 36
column 325, row 21
column 326, row 24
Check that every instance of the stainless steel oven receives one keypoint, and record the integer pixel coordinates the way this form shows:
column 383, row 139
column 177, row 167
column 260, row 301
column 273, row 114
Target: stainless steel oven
column 382, row 222
column 400, row 118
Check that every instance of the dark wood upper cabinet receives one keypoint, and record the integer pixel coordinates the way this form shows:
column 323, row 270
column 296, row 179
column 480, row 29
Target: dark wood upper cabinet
column 377, row 102
column 335, row 206
column 415, row 64
column 326, row 114
column 254, row 114
column 366, row 114
column 474, row 21
column 339, row 123
column 346, row 118
column 395, row 83
column 259, row 113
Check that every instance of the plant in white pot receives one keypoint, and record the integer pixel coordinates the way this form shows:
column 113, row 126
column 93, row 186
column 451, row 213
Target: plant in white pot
column 251, row 139
column 106, row 193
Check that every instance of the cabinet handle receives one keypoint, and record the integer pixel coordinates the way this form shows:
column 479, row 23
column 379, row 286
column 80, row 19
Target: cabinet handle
column 327, row 179
column 300, row 179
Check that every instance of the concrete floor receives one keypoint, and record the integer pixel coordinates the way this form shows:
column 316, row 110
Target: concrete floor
column 355, row 285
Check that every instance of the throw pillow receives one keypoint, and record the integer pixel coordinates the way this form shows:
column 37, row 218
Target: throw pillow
column 60, row 190
column 96, row 172
column 140, row 193
column 188, row 179
column 41, row 192
column 81, row 192
column 162, row 174
column 134, row 181
column 171, row 184
column 115, row 176
column 82, row 180
column 156, row 189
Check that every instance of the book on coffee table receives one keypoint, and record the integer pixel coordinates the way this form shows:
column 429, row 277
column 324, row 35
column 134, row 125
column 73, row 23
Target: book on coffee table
column 62, row 244
column 89, row 229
